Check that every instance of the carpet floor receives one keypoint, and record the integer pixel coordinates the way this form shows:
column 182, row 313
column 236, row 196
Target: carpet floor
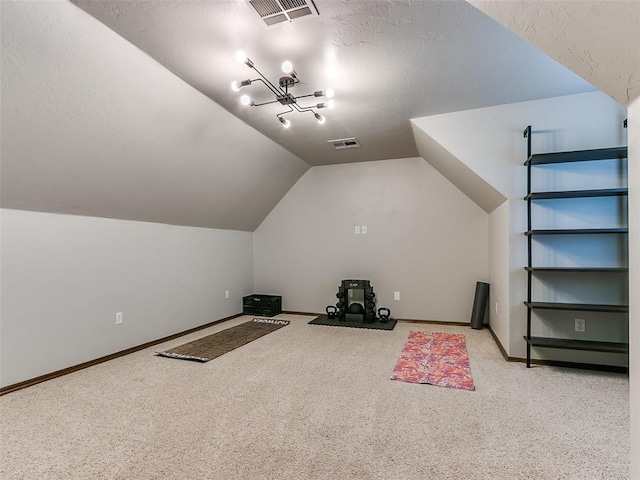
column 312, row 403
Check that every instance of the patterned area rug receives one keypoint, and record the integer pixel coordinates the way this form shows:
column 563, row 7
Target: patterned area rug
column 212, row 346
column 435, row 358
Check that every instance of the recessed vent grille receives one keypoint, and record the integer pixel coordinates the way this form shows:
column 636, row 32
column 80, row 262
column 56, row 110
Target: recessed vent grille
column 344, row 143
column 274, row 12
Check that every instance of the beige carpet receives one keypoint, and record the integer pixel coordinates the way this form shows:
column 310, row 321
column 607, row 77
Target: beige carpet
column 316, row 403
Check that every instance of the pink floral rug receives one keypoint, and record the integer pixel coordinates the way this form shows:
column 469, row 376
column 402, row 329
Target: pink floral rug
column 435, row 358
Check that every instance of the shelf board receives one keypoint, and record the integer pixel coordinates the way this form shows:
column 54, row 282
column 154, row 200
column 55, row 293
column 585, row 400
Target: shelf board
column 577, row 156
column 605, row 192
column 577, row 231
column 582, row 307
column 569, row 344
column 578, row 269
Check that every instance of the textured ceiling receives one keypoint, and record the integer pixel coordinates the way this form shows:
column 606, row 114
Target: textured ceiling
column 598, row 40
column 388, row 61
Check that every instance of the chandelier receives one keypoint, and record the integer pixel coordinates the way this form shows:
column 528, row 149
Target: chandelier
column 281, row 92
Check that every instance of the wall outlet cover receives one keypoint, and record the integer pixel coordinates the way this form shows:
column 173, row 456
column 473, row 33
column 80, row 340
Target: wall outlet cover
column 396, row 296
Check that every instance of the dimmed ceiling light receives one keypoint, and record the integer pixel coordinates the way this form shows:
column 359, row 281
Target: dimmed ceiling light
column 281, row 91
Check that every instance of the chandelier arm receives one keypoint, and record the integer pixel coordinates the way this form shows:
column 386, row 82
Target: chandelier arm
column 303, row 109
column 271, row 86
column 265, row 103
column 304, row 96
column 284, row 113
column 267, row 84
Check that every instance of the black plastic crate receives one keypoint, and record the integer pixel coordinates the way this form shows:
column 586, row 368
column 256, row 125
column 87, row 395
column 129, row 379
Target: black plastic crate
column 264, row 305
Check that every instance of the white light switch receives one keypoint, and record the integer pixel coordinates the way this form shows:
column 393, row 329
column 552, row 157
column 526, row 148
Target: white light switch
column 396, row 295
column 364, row 229
column 119, row 318
column 357, row 229
column 226, row 294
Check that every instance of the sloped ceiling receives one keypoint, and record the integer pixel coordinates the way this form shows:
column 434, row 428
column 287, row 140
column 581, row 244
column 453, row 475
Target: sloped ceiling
column 93, row 126
column 598, row 40
column 457, row 172
column 388, row 61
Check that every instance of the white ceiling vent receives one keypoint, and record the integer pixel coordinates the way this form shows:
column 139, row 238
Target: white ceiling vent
column 344, row 143
column 274, row 12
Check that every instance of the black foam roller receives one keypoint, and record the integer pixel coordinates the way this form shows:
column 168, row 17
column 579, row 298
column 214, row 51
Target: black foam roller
column 480, row 303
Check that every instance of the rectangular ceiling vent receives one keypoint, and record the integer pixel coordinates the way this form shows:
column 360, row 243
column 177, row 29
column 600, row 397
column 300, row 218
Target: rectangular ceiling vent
column 275, row 12
column 344, row 143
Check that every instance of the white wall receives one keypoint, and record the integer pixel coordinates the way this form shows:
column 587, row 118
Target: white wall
column 425, row 239
column 64, row 277
column 490, row 142
column 634, row 282
column 499, row 303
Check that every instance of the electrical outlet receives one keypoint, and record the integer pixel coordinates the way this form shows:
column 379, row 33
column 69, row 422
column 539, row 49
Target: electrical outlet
column 364, row 229
column 396, row 296
column 357, row 229
column 226, row 294
column 581, row 325
column 495, row 307
column 119, row 318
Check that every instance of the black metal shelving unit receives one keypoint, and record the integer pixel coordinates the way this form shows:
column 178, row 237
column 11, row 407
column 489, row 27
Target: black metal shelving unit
column 568, row 157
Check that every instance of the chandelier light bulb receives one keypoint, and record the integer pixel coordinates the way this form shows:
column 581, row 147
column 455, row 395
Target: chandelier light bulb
column 241, row 57
column 331, row 104
column 285, row 123
column 245, row 100
column 236, row 85
column 329, row 93
column 320, row 118
column 287, row 67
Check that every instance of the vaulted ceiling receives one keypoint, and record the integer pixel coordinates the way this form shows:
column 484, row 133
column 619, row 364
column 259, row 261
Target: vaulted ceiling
column 123, row 108
column 388, row 62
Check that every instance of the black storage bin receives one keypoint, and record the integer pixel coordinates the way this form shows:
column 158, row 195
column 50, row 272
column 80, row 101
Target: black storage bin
column 264, row 305
column 480, row 305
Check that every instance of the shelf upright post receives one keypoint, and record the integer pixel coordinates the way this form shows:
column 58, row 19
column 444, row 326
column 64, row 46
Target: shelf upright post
column 527, row 135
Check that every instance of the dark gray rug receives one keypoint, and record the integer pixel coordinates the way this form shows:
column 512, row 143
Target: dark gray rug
column 353, row 323
column 212, row 346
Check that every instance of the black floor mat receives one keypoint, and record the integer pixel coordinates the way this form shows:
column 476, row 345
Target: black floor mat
column 335, row 322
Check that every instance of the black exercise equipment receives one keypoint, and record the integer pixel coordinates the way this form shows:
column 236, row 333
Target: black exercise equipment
column 331, row 311
column 384, row 313
column 480, row 305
